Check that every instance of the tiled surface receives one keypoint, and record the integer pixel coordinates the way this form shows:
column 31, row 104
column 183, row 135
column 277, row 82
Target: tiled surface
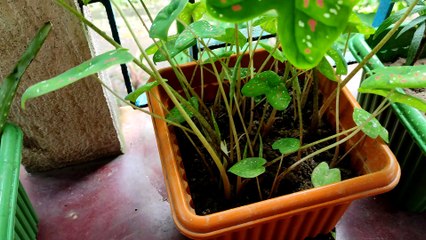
column 125, row 198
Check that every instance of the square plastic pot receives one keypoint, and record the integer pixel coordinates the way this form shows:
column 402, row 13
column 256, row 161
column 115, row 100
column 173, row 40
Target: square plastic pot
column 17, row 217
column 406, row 125
column 293, row 216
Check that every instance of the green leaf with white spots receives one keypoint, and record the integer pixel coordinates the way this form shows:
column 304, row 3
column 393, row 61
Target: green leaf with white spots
column 199, row 10
column 10, row 84
column 165, row 18
column 270, row 84
column 286, row 145
column 92, row 66
column 249, row 167
column 175, row 116
column 186, row 15
column 200, row 29
column 310, row 26
column 229, row 37
column 141, row 90
column 372, row 126
column 276, row 53
column 339, row 60
column 326, row 69
column 171, row 49
column 396, row 76
column 324, row 175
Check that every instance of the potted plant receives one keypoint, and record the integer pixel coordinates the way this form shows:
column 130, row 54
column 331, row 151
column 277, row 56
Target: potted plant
column 408, row 125
column 17, row 217
column 243, row 118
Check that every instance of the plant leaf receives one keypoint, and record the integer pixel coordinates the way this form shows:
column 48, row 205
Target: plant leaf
column 373, row 128
column 229, row 37
column 418, row 36
column 92, row 66
column 249, row 167
column 268, row 23
column 286, row 145
column 323, row 175
column 200, row 29
column 326, row 69
column 219, row 54
column 175, row 116
column 141, row 90
column 171, row 49
column 277, row 54
column 311, row 27
column 244, row 72
column 186, row 14
column 260, row 84
column 10, row 84
column 356, row 24
column 411, row 24
column 278, row 97
column 339, row 60
column 396, row 76
column 199, row 10
column 165, row 18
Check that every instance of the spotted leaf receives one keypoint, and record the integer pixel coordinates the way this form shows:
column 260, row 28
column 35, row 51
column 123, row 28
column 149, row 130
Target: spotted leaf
column 372, row 126
column 323, row 175
column 286, row 145
column 249, row 167
column 165, row 18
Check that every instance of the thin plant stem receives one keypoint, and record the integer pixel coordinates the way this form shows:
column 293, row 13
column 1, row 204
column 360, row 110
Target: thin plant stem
column 274, row 183
column 259, row 189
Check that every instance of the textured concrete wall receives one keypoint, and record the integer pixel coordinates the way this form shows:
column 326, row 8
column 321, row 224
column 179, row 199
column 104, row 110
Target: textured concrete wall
column 72, row 125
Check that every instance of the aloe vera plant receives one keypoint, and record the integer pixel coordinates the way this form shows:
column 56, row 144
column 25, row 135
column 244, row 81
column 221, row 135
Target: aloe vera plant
column 11, row 82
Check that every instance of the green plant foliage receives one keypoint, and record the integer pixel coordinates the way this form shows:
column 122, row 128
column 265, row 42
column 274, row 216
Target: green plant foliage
column 270, row 84
column 249, row 167
column 165, row 18
column 286, row 145
column 417, row 39
column 326, row 69
column 310, row 26
column 192, row 12
column 244, row 72
column 171, row 49
column 200, row 29
column 373, row 128
column 175, row 116
column 141, row 90
column 10, row 84
column 92, row 66
column 340, row 61
column 277, row 54
column 229, row 37
column 357, row 25
column 396, row 76
column 323, row 175
column 218, row 54
column 268, row 23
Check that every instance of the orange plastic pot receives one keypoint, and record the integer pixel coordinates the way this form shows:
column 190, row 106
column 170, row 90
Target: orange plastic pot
column 293, row 216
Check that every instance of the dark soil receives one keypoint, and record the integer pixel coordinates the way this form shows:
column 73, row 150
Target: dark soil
column 205, row 188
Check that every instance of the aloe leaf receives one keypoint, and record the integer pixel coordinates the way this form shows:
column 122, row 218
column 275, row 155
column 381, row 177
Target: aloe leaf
column 276, row 53
column 249, row 167
column 92, row 66
column 339, row 60
column 411, row 24
column 141, row 90
column 165, row 18
column 286, row 145
column 418, row 36
column 11, row 82
column 396, row 76
column 200, row 29
column 326, row 69
column 311, row 27
column 372, row 128
column 175, row 116
column 323, row 175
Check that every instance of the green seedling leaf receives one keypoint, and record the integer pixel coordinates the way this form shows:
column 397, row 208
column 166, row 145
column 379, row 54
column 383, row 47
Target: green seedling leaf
column 418, row 36
column 200, row 29
column 10, row 84
column 310, row 26
column 199, row 11
column 395, row 96
column 270, row 84
column 141, row 90
column 276, row 53
column 396, row 76
column 286, row 145
column 268, row 23
column 249, row 167
column 326, row 69
column 229, row 37
column 218, row 54
column 175, row 116
column 171, row 49
column 165, row 18
column 339, row 60
column 186, row 15
column 373, row 128
column 92, row 66
column 323, row 175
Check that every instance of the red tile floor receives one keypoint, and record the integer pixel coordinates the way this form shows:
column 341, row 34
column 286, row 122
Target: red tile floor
column 125, row 198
